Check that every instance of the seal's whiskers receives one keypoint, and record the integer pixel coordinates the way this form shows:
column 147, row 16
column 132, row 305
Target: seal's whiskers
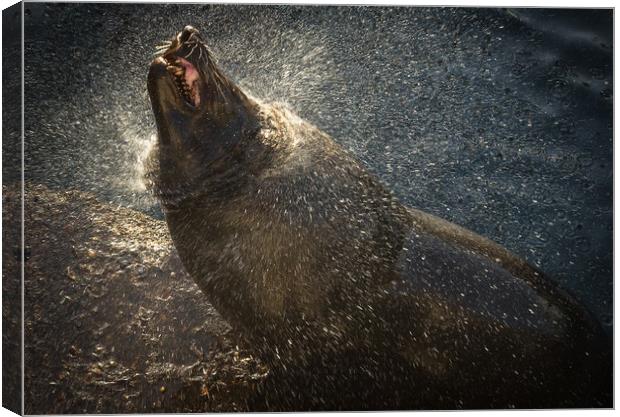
column 159, row 49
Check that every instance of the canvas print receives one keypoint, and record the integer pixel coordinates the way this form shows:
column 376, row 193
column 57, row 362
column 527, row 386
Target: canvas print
column 224, row 207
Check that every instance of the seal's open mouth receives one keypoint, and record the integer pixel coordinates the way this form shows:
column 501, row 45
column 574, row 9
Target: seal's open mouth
column 186, row 58
column 185, row 76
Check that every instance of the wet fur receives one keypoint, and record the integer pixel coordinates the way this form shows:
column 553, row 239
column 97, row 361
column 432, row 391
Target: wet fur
column 359, row 302
column 306, row 257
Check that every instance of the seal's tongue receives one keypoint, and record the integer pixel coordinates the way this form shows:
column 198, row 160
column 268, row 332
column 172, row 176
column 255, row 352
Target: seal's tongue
column 191, row 77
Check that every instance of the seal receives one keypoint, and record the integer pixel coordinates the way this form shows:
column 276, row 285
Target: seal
column 355, row 300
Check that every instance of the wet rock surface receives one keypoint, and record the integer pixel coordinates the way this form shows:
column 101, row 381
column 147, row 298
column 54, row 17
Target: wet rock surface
column 113, row 324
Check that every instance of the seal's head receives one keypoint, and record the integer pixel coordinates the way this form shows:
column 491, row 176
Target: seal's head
column 200, row 113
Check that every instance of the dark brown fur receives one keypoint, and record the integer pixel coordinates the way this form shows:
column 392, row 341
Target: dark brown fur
column 360, row 302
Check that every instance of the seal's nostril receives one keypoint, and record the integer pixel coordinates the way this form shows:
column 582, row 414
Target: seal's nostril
column 188, row 31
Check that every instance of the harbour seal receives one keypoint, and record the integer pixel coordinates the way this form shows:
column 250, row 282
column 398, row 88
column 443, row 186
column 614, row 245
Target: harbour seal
column 356, row 300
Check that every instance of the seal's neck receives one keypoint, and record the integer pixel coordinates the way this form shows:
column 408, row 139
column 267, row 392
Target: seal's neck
column 265, row 147
column 258, row 148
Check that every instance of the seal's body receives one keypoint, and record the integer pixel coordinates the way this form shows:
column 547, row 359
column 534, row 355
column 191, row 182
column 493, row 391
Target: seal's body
column 355, row 299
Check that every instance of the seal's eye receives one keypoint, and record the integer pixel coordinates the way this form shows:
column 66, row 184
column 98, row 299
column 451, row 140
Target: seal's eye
column 186, row 78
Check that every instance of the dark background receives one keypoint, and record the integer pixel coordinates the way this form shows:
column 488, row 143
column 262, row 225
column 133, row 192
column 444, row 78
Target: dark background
column 498, row 120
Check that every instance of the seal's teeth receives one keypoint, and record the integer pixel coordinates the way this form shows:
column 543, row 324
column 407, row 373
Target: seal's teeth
column 176, row 68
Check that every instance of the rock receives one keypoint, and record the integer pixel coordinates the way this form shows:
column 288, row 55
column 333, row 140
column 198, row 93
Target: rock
column 112, row 334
